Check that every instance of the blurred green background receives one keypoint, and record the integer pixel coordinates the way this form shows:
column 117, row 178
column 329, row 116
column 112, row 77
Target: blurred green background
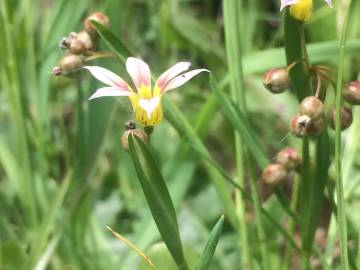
column 64, row 176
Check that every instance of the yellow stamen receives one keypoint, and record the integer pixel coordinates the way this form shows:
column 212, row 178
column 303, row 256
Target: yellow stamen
column 302, row 10
column 140, row 114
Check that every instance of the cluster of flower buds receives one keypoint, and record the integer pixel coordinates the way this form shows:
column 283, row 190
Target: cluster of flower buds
column 287, row 160
column 130, row 129
column 79, row 45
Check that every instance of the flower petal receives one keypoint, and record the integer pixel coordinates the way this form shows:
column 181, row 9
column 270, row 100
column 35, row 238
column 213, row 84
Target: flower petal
column 183, row 78
column 108, row 77
column 111, row 92
column 169, row 74
column 329, row 2
column 285, row 3
column 149, row 105
column 139, row 72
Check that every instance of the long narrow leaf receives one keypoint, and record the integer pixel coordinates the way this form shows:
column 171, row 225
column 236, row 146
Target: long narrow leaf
column 209, row 250
column 158, row 198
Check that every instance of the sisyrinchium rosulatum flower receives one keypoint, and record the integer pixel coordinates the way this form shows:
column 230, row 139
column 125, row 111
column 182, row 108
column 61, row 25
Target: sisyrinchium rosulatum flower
column 300, row 9
column 145, row 101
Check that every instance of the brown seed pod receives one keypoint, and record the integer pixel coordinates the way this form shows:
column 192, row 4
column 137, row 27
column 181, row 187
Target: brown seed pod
column 274, row 174
column 304, row 126
column 276, row 80
column 136, row 132
column 346, row 117
column 289, row 157
column 98, row 17
column 77, row 46
column 351, row 92
column 70, row 64
column 88, row 43
column 312, row 107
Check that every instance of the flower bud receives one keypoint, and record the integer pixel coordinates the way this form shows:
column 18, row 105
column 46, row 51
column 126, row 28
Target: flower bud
column 274, row 174
column 315, row 127
column 98, row 17
column 135, row 132
column 289, row 158
column 276, row 80
column 70, row 64
column 312, row 107
column 346, row 117
column 351, row 92
column 76, row 46
column 88, row 43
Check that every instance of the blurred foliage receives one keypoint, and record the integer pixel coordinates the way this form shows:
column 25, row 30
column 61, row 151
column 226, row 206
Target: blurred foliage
column 63, row 174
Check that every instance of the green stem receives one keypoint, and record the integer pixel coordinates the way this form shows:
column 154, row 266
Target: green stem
column 342, row 227
column 233, row 52
column 292, row 222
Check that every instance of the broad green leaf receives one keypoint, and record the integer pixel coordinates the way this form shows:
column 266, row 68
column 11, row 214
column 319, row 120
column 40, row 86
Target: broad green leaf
column 209, row 250
column 158, row 198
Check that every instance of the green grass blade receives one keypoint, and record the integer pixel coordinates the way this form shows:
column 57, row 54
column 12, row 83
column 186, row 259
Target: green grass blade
column 158, row 198
column 209, row 250
column 114, row 43
column 238, row 121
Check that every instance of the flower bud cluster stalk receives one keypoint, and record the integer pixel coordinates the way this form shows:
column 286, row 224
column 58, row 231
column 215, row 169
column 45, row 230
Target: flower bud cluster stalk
column 287, row 160
column 79, row 45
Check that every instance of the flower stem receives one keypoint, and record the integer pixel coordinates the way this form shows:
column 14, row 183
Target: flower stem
column 342, row 227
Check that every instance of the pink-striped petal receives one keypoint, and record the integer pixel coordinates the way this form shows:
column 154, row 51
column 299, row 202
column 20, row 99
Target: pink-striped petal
column 183, row 78
column 108, row 77
column 111, row 92
column 329, row 2
column 139, row 72
column 149, row 105
column 285, row 3
column 171, row 73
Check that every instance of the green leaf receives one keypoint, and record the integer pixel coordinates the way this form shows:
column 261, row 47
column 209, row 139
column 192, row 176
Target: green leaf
column 209, row 250
column 158, row 198
column 114, row 43
column 238, row 121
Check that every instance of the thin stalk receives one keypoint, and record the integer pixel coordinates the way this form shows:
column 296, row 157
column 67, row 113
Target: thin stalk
column 338, row 176
column 234, row 57
column 292, row 222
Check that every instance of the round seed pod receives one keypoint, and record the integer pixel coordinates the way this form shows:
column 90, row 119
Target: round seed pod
column 136, row 132
column 289, row 157
column 315, row 127
column 77, row 46
column 70, row 64
column 351, row 92
column 56, row 71
column 276, row 80
column 312, row 107
column 346, row 118
column 98, row 17
column 130, row 125
column 298, row 125
column 88, row 43
column 274, row 174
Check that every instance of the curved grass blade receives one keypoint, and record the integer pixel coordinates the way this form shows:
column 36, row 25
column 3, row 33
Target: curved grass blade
column 209, row 250
column 114, row 43
column 158, row 198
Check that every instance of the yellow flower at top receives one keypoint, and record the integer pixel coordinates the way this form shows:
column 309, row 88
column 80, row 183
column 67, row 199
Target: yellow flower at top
column 300, row 9
column 146, row 102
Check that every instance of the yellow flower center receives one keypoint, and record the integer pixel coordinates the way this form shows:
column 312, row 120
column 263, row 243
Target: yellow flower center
column 140, row 114
column 302, row 10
